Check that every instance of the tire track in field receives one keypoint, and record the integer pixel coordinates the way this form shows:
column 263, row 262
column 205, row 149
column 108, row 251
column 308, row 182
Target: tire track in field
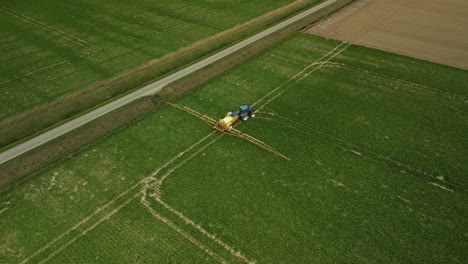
column 345, row 144
column 158, row 183
column 144, row 181
column 303, row 74
column 85, row 231
column 151, row 88
column 150, row 181
column 105, row 206
column 108, row 48
column 406, row 85
column 213, row 237
column 46, row 27
column 80, row 223
column 298, row 74
column 410, row 85
column 157, row 197
column 186, row 235
column 147, row 181
column 34, row 72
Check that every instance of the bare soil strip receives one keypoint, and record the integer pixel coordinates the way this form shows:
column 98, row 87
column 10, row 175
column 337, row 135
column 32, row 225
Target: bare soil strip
column 434, row 30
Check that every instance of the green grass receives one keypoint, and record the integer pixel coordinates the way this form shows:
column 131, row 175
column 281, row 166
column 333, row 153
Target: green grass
column 132, row 236
column 51, row 48
column 377, row 172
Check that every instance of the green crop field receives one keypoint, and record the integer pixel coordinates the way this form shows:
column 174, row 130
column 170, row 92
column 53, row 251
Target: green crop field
column 377, row 172
column 51, row 48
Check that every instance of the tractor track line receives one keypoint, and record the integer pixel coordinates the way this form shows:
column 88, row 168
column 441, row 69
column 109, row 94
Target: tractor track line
column 108, row 48
column 101, row 208
column 34, row 72
column 297, row 74
column 157, row 198
column 159, row 182
column 317, row 63
column 363, row 151
column 46, row 27
column 188, row 221
column 150, row 89
column 146, row 181
column 183, row 233
column 80, row 223
column 84, row 232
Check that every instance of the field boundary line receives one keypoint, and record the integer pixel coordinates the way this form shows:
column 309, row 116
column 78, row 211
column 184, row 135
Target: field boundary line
column 42, row 25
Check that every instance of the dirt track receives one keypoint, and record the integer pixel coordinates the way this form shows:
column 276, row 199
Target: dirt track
column 434, row 30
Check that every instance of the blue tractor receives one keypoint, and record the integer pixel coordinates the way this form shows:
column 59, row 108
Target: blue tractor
column 244, row 112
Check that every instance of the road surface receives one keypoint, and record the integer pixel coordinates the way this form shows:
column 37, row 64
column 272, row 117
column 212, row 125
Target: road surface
column 149, row 89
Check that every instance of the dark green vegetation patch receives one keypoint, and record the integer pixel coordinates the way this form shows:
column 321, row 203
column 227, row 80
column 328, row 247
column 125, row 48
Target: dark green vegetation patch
column 378, row 153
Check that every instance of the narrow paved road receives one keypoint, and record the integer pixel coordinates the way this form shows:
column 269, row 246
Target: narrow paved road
column 148, row 90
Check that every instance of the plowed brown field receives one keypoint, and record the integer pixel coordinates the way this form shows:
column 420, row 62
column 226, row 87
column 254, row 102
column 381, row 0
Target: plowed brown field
column 434, row 30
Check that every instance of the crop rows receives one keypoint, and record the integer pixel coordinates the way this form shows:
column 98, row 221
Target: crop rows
column 376, row 171
column 48, row 55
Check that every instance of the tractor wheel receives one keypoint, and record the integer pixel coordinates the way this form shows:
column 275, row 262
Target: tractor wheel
column 252, row 114
column 230, row 128
column 245, row 117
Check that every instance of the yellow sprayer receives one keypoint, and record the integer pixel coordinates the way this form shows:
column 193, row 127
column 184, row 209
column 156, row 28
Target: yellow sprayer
column 244, row 112
column 225, row 125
